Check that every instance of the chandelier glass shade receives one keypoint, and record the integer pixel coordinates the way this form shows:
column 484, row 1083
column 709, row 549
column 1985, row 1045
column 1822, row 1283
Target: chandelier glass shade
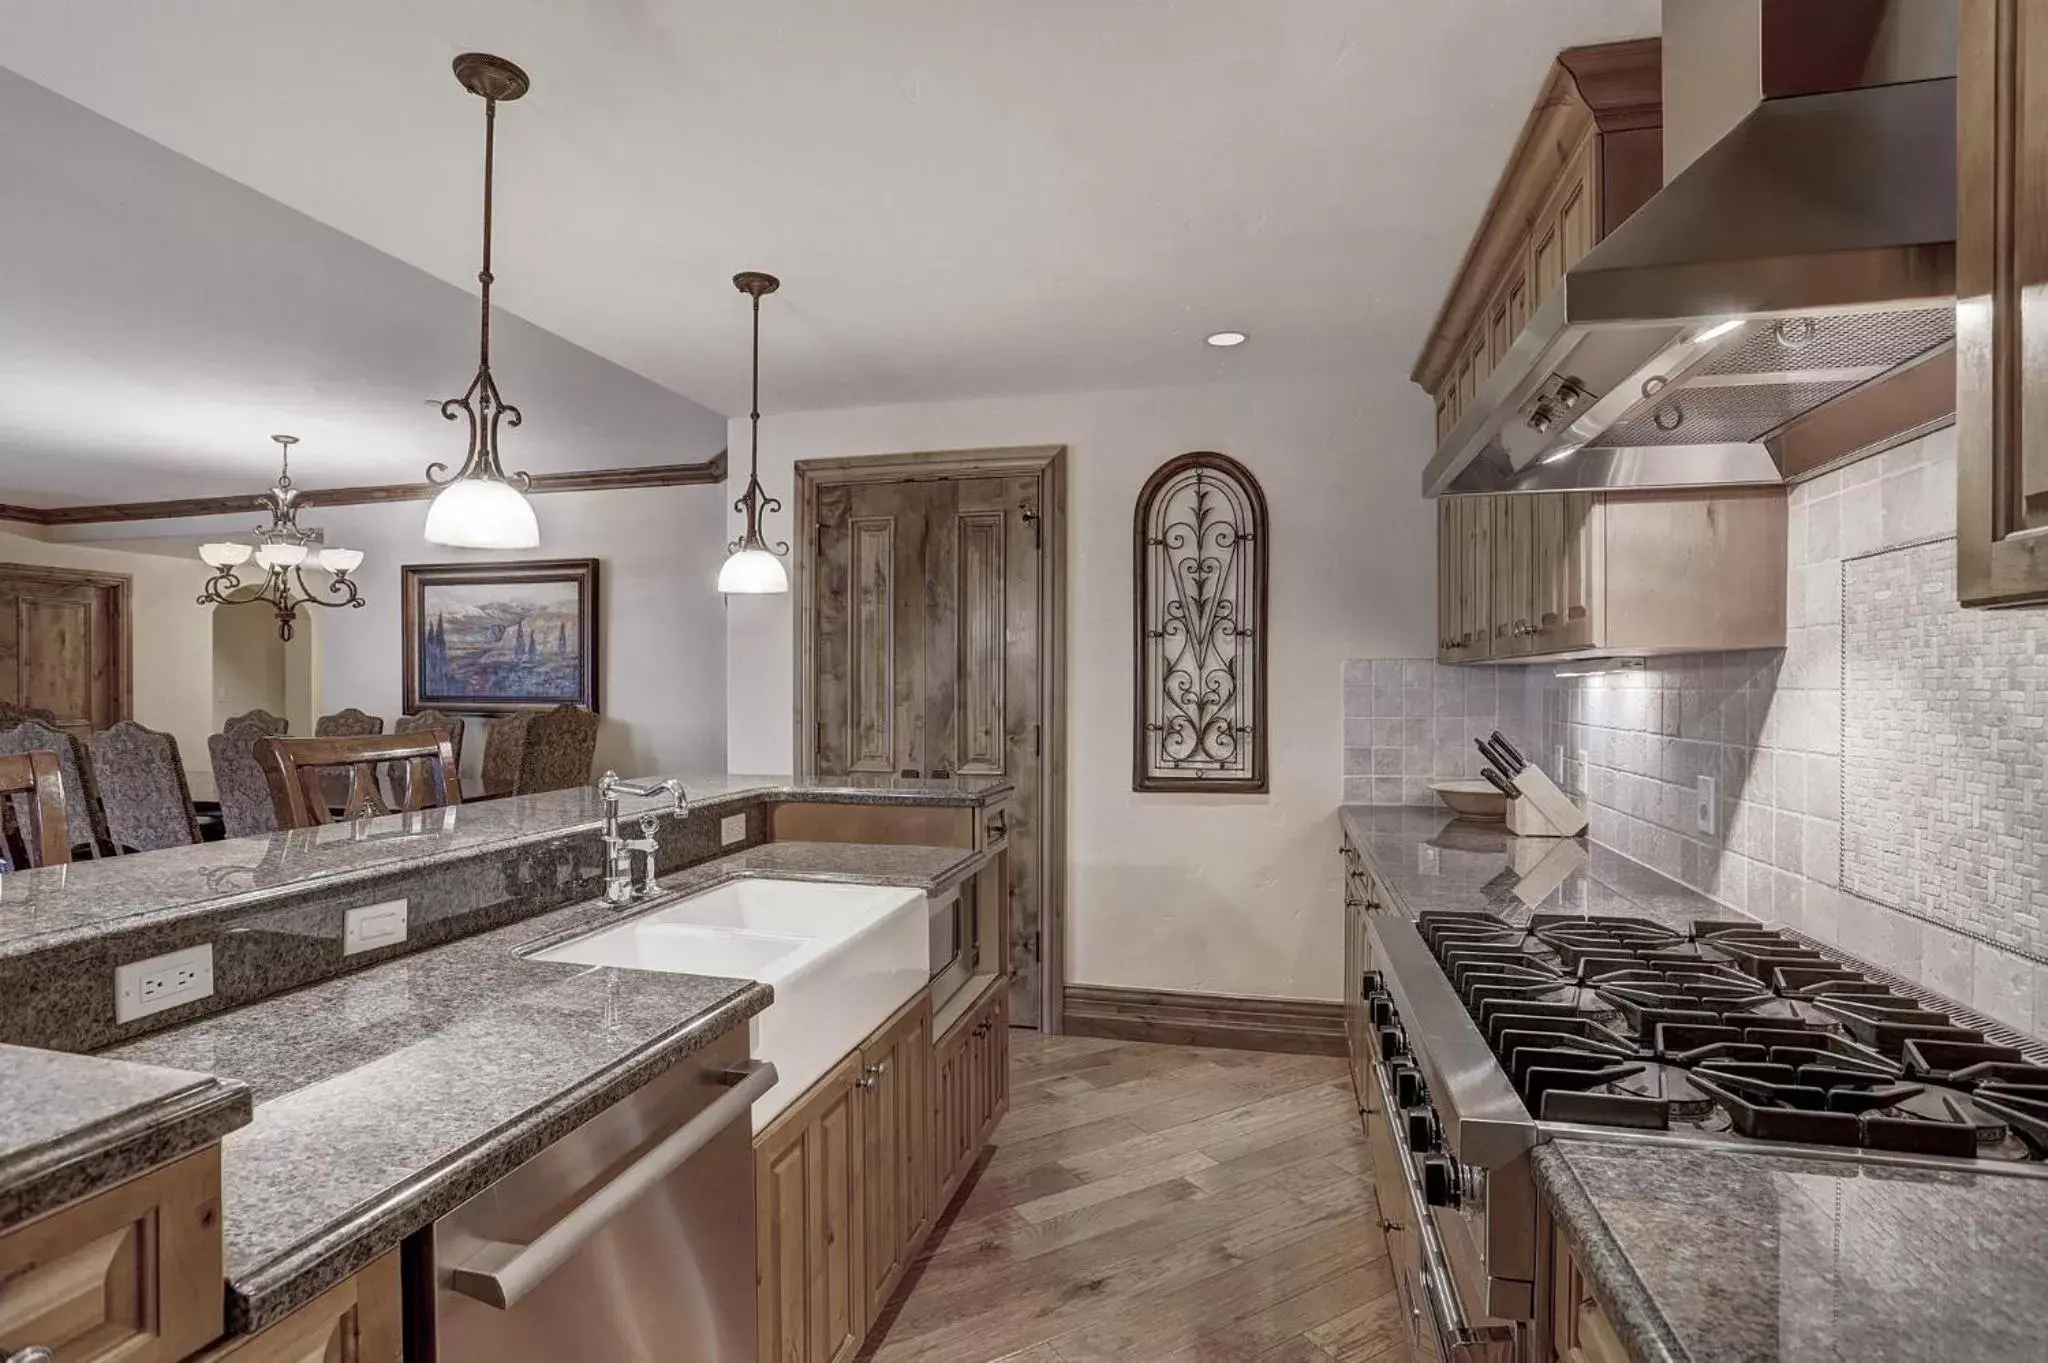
column 282, row 551
column 480, row 506
column 753, row 567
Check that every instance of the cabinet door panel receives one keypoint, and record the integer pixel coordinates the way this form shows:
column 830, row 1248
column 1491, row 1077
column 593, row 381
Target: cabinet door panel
column 809, row 1204
column 1449, row 570
column 896, row 1121
column 1513, row 576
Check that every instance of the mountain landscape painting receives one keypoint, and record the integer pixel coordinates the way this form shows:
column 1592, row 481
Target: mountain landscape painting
column 507, row 636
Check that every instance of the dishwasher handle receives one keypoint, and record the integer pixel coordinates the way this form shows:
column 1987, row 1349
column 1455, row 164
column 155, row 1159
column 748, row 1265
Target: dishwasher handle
column 500, row 1274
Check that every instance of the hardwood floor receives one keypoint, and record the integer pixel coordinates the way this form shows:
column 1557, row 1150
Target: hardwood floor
column 1159, row 1204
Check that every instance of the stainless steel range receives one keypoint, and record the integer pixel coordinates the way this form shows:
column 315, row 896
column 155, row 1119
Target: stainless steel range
column 1483, row 1034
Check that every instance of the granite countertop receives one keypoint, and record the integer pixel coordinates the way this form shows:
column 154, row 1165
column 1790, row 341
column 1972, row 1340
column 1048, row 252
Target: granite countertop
column 388, row 1097
column 1434, row 863
column 73, row 1124
column 54, row 906
column 1714, row 1256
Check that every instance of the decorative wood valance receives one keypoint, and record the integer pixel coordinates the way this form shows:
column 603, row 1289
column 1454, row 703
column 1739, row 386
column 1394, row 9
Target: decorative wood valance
column 1200, row 537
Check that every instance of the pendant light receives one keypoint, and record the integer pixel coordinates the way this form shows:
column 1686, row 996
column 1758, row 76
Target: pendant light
column 479, row 506
column 283, row 551
column 755, row 569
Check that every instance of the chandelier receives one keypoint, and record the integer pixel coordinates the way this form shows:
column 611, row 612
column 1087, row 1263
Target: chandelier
column 283, row 551
column 479, row 506
column 753, row 567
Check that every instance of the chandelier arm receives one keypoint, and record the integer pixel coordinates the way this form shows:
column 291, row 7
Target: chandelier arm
column 343, row 591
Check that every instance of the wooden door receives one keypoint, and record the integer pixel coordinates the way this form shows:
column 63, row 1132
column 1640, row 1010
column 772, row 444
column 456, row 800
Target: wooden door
column 927, row 630
column 1512, row 608
column 809, row 1203
column 1473, row 517
column 1566, row 557
column 64, row 644
column 2002, row 307
column 896, row 1128
column 1448, row 562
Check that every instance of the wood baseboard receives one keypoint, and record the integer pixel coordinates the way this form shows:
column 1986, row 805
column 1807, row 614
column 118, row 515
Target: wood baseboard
column 1291, row 1026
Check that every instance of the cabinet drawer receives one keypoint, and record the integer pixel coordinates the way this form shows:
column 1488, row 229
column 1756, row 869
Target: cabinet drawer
column 355, row 1321
column 131, row 1274
column 992, row 825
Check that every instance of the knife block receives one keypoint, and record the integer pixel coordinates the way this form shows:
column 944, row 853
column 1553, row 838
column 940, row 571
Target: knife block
column 1527, row 821
column 1542, row 810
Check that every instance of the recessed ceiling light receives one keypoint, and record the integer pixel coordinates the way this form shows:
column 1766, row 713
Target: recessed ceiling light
column 1225, row 338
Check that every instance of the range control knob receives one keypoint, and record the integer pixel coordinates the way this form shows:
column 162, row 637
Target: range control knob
column 1439, row 1182
column 1382, row 1009
column 1421, row 1129
column 1408, row 1087
column 1370, row 983
column 1392, row 1043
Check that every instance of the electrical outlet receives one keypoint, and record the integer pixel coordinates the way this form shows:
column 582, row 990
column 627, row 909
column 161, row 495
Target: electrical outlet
column 1707, row 805
column 373, row 925
column 1557, row 764
column 1585, row 773
column 731, row 829
column 177, row 977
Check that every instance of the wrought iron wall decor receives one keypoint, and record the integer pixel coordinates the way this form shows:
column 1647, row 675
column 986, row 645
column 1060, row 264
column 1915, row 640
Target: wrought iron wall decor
column 1200, row 537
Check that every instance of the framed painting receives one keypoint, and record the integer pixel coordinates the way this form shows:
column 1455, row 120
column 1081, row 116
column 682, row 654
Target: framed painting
column 492, row 638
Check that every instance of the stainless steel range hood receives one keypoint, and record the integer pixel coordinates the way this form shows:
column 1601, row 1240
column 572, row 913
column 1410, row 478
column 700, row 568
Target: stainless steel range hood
column 1786, row 288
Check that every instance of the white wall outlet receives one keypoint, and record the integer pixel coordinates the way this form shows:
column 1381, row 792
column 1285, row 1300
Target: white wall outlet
column 145, row 987
column 372, row 925
column 1585, row 785
column 1704, row 817
column 1557, row 765
column 731, row 829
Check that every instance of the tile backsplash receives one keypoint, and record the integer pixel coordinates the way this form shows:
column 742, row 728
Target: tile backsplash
column 1409, row 721
column 1879, row 782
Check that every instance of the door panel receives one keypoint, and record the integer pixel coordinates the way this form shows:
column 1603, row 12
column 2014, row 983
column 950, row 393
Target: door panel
column 63, row 641
column 927, row 650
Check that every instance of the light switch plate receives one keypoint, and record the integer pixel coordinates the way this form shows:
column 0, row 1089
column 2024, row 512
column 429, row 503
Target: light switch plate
column 373, row 925
column 1704, row 816
column 150, row 986
column 731, row 829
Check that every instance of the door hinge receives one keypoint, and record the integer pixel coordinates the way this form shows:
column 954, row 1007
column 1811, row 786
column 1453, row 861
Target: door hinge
column 1032, row 519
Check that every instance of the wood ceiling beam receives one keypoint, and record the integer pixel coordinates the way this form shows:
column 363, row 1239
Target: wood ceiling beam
column 589, row 480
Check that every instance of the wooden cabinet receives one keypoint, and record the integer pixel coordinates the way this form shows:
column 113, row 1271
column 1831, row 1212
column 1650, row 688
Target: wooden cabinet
column 355, row 1321
column 2001, row 306
column 1580, row 1330
column 1558, row 574
column 809, row 1192
column 851, row 1178
column 895, row 1085
column 130, row 1274
column 1591, row 151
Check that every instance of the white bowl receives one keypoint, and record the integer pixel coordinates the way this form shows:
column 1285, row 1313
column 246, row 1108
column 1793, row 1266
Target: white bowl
column 1476, row 800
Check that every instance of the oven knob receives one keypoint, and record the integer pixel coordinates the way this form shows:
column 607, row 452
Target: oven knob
column 1382, row 1009
column 1408, row 1090
column 1392, row 1043
column 1369, row 983
column 1439, row 1183
column 1421, row 1129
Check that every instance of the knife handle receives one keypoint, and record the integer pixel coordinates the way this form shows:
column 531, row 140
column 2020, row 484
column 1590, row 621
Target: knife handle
column 1500, row 783
column 1513, row 754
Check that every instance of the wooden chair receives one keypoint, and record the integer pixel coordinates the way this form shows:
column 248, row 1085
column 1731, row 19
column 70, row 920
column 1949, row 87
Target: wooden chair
column 345, row 723
column 34, row 785
column 142, row 786
column 424, row 722
column 293, row 768
column 81, row 799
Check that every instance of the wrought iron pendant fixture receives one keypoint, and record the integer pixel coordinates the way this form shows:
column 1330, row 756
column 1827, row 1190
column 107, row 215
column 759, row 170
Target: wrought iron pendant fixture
column 283, row 550
column 480, row 506
column 753, row 567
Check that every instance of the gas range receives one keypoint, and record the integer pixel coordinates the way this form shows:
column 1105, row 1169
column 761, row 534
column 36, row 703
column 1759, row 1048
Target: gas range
column 1731, row 1029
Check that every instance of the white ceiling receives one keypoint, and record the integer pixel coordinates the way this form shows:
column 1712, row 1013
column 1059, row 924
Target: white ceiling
column 964, row 197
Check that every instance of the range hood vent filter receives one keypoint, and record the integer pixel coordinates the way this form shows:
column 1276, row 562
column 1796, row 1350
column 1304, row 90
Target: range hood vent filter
column 1866, row 340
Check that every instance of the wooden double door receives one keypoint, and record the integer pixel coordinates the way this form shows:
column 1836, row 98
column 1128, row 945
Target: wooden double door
column 63, row 644
column 927, row 626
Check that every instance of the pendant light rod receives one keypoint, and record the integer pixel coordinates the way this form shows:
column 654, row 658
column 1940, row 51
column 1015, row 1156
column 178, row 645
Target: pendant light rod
column 755, row 502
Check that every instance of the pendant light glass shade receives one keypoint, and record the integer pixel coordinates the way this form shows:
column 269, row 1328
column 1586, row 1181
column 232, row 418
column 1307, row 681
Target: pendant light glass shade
column 482, row 513
column 753, row 572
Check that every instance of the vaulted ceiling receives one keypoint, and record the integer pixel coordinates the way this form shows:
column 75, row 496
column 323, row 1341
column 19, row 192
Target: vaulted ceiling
column 963, row 197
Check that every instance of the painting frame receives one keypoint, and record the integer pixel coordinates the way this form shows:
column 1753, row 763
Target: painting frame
column 418, row 580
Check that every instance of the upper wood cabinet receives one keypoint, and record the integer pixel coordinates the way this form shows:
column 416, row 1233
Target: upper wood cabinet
column 2002, row 310
column 1591, row 150
column 1553, row 574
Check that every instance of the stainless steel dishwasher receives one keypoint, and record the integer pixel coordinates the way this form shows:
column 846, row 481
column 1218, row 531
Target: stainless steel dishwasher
column 629, row 1240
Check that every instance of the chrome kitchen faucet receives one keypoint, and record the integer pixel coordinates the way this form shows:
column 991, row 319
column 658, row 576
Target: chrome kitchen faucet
column 619, row 885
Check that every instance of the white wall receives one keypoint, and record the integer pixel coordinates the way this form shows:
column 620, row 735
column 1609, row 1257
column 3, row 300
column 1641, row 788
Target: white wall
column 1228, row 894
column 173, row 638
column 248, row 663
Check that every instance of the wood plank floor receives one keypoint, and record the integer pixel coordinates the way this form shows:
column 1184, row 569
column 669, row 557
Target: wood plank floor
column 1158, row 1204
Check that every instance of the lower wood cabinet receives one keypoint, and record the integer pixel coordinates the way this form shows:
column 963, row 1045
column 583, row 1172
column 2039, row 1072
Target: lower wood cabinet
column 130, row 1274
column 355, row 1321
column 851, row 1178
column 1580, row 1331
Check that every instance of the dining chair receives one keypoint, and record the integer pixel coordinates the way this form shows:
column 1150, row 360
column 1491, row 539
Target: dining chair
column 261, row 719
column 504, row 749
column 239, row 785
column 34, row 785
column 344, row 723
column 425, row 721
column 294, row 768
column 144, row 795
column 81, row 798
column 560, row 745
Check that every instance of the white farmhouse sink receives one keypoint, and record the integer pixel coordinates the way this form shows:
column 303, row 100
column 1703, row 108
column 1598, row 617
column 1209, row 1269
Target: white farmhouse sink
column 841, row 959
